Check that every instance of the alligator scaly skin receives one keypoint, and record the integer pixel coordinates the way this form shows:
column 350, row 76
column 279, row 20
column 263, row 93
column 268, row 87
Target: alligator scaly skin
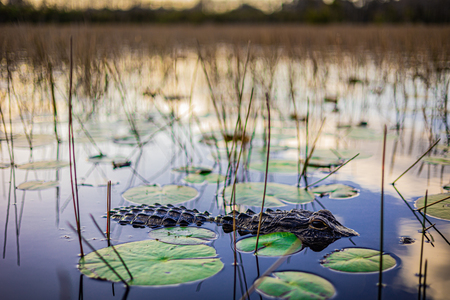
column 316, row 229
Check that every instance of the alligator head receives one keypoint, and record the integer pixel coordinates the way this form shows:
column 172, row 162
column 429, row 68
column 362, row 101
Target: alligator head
column 316, row 230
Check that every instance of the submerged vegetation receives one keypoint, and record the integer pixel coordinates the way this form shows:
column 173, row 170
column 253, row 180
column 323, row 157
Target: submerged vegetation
column 231, row 119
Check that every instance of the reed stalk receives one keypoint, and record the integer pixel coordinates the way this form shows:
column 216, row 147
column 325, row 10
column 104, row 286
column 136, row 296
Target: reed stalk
column 108, row 213
column 421, row 245
column 98, row 254
column 332, row 172
column 380, row 271
column 265, row 175
column 72, row 159
column 111, row 245
column 426, row 152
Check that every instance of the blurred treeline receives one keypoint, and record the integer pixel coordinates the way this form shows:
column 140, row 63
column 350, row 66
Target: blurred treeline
column 301, row 11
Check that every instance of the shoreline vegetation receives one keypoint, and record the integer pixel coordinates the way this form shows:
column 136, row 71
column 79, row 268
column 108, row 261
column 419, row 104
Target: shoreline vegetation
column 298, row 11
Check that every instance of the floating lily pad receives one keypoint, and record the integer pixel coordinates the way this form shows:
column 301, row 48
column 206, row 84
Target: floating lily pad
column 153, row 263
column 193, row 170
column 37, row 140
column 315, row 162
column 339, row 154
column 183, row 235
column 97, row 182
column 200, row 178
column 37, row 185
column 168, row 194
column 439, row 210
column 104, row 159
column 128, row 140
column 361, row 133
column 276, row 166
column 4, row 165
column 357, row 260
column 295, row 285
column 436, row 160
column 251, row 193
column 44, row 165
column 336, row 191
column 272, row 244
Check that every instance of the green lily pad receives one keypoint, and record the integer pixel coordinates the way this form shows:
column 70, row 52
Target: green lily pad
column 193, row 170
column 44, row 165
column 153, row 263
column 336, row 191
column 357, row 260
column 128, row 140
column 338, row 154
column 200, row 178
column 251, row 193
column 37, row 140
column 4, row 165
column 439, row 210
column 168, row 194
column 315, row 162
column 361, row 133
column 272, row 244
column 104, row 159
column 183, row 235
column 276, row 166
column 37, row 185
column 436, row 160
column 292, row 285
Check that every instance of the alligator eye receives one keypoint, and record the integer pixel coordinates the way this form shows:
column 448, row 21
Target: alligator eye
column 318, row 225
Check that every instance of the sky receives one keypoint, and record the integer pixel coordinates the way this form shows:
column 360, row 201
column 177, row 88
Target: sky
column 214, row 5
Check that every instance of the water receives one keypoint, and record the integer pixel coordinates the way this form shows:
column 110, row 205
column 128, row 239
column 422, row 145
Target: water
column 40, row 252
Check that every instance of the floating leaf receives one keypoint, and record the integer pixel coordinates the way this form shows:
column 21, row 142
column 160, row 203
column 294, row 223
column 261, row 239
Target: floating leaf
column 436, row 160
column 37, row 140
column 4, row 165
column 357, row 260
column 339, row 154
column 361, row 133
column 168, row 194
column 193, row 170
column 251, row 193
column 104, row 159
column 439, row 210
column 200, row 178
column 183, row 235
column 315, row 162
column 153, row 263
column 128, row 140
column 276, row 166
column 44, row 165
column 336, row 191
column 272, row 244
column 295, row 285
column 37, row 185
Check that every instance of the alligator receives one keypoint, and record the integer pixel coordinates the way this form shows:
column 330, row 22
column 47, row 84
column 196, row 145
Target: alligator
column 316, row 230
